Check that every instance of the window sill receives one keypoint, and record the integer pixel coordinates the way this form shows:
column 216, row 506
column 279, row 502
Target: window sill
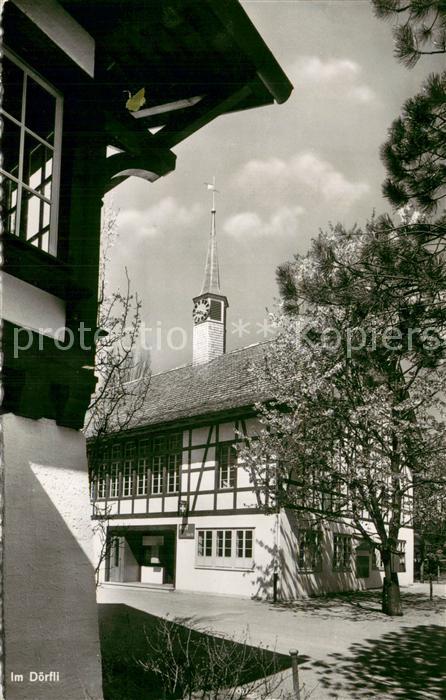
column 309, row 571
column 224, row 568
column 40, row 269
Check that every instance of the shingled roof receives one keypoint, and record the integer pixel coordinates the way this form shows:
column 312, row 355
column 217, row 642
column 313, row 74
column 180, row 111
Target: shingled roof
column 225, row 383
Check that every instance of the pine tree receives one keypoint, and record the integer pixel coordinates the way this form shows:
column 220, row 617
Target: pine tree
column 420, row 28
column 415, row 152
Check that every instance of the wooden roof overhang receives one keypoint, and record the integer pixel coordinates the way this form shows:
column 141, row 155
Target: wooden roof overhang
column 196, row 59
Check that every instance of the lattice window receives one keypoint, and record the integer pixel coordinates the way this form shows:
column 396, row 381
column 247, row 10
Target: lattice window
column 342, row 552
column 31, row 143
column 309, row 555
column 173, row 473
column 127, row 478
column 113, row 484
column 225, row 548
column 141, row 477
column 157, row 474
column 227, row 466
column 102, row 481
column 205, row 543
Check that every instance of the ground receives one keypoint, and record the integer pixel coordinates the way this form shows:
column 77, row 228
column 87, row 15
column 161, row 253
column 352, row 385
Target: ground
column 347, row 648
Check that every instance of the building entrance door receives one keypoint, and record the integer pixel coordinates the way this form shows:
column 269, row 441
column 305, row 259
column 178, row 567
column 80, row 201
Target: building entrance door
column 141, row 555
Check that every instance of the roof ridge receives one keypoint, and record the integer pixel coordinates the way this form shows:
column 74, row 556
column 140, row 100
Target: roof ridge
column 214, row 359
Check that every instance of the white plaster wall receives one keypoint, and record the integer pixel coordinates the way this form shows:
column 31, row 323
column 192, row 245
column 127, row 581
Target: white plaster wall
column 204, row 501
column 225, row 500
column 30, row 307
column 208, row 341
column 226, row 431
column 256, row 582
column 50, row 602
column 208, row 479
column 200, row 436
column 295, row 583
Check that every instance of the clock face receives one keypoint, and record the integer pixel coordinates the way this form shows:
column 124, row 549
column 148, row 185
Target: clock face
column 201, row 310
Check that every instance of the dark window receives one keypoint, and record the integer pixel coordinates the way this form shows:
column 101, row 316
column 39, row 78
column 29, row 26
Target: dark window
column 402, row 555
column 204, row 543
column 215, row 310
column 342, row 552
column 309, row 557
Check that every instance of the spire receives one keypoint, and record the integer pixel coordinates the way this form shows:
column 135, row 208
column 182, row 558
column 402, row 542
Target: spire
column 211, row 279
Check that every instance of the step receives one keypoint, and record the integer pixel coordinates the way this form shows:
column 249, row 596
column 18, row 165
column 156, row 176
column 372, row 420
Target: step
column 162, row 587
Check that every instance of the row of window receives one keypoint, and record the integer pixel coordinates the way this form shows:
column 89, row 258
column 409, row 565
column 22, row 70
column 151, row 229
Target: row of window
column 155, row 474
column 229, row 549
column 234, row 548
column 127, row 479
column 309, row 554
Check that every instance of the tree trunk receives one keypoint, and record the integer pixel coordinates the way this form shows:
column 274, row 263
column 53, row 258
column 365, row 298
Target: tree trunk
column 391, row 598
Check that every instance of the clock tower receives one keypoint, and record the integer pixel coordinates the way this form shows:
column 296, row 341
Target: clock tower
column 209, row 310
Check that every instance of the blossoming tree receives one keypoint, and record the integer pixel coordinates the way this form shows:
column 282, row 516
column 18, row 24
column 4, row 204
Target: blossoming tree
column 353, row 430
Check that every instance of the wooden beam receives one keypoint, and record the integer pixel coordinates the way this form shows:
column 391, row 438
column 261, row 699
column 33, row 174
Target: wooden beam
column 62, row 29
column 167, row 107
column 237, row 23
column 151, row 165
column 207, row 111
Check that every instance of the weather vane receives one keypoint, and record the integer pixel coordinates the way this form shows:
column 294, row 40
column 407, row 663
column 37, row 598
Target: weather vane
column 211, row 186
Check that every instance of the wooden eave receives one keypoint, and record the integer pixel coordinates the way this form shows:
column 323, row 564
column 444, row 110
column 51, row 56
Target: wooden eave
column 196, row 60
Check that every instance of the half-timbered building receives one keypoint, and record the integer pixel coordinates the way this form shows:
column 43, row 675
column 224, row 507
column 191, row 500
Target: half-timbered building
column 181, row 511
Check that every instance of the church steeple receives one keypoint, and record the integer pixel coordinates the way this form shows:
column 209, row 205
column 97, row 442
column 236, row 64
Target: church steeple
column 211, row 279
column 209, row 311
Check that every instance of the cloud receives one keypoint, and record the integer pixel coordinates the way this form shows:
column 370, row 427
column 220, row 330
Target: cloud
column 167, row 214
column 249, row 224
column 306, row 169
column 338, row 77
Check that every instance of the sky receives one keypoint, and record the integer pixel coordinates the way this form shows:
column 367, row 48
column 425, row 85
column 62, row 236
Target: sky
column 283, row 173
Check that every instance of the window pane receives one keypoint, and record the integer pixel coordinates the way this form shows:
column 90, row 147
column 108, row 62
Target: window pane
column 175, row 442
column 144, row 448
column 239, row 543
column 248, row 544
column 40, row 110
column 219, row 543
column 114, row 481
column 141, row 482
column 208, row 550
column 37, row 164
column 127, row 479
column 200, row 543
column 228, row 543
column 157, row 475
column 9, row 208
column 45, row 215
column 44, row 242
column 11, row 146
column 159, row 444
column 130, row 449
column 12, row 79
column 30, row 215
